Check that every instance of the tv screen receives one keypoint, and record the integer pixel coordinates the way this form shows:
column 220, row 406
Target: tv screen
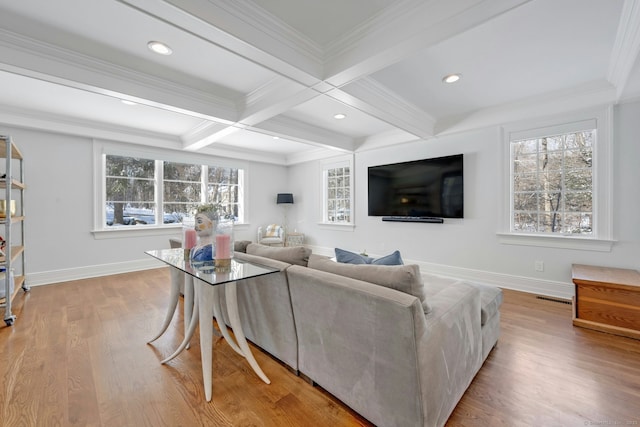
column 420, row 188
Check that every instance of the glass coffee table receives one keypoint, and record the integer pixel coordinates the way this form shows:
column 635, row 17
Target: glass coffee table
column 207, row 282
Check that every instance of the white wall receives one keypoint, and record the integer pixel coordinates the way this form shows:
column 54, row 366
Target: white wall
column 59, row 203
column 469, row 248
column 60, row 194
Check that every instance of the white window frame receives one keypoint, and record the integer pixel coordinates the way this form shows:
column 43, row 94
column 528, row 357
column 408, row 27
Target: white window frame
column 103, row 148
column 325, row 166
column 600, row 119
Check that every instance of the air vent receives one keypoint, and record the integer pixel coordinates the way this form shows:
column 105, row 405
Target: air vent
column 561, row 301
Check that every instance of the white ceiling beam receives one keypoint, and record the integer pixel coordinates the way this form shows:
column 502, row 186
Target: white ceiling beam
column 241, row 28
column 306, row 133
column 403, row 31
column 41, row 61
column 272, row 99
column 373, row 98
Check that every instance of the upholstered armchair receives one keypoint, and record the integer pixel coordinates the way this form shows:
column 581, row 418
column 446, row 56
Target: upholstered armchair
column 272, row 235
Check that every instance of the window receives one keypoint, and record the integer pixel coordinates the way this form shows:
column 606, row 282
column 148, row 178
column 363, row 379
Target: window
column 130, row 185
column 552, row 182
column 143, row 191
column 558, row 183
column 338, row 183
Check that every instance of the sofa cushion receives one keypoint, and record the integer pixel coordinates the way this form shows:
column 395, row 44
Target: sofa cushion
column 241, row 245
column 490, row 301
column 403, row 278
column 348, row 257
column 298, row 255
column 490, row 296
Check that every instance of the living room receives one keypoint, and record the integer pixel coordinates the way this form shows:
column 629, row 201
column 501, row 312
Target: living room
column 66, row 239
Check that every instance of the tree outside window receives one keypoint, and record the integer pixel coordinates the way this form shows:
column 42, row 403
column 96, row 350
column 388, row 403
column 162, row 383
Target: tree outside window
column 147, row 191
column 338, row 194
column 130, row 184
column 182, row 184
column 552, row 184
column 223, row 189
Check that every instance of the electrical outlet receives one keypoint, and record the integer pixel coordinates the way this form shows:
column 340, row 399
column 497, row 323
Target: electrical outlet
column 539, row 266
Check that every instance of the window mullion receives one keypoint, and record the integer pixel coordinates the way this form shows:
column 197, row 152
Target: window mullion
column 204, row 184
column 159, row 191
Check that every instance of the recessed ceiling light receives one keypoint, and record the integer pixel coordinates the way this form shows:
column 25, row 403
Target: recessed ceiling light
column 451, row 78
column 339, row 116
column 159, row 47
column 127, row 102
column 276, row 137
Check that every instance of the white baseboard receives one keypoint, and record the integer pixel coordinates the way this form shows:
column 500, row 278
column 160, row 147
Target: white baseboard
column 519, row 283
column 57, row 276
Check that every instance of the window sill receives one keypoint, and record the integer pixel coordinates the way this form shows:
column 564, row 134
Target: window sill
column 339, row 226
column 562, row 242
column 138, row 230
column 145, row 230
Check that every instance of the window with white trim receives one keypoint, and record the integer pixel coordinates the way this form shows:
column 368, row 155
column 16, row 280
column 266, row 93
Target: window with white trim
column 552, row 183
column 143, row 191
column 337, row 179
column 559, row 183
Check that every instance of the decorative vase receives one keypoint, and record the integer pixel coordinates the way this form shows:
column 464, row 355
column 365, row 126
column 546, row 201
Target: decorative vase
column 224, row 244
column 189, row 236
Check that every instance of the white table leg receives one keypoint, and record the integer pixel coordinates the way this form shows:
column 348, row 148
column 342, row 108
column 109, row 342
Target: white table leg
column 234, row 319
column 217, row 312
column 189, row 302
column 205, row 304
column 173, row 302
column 189, row 329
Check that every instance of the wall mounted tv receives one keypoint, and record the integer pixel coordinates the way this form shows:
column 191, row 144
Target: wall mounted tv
column 422, row 189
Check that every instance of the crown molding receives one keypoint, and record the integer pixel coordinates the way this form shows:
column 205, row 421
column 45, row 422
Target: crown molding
column 43, row 61
column 388, row 39
column 254, row 15
column 378, row 27
column 251, row 34
column 626, row 48
column 394, row 137
column 15, row 117
column 375, row 99
column 306, row 133
column 593, row 94
column 310, row 156
column 274, row 98
column 222, row 150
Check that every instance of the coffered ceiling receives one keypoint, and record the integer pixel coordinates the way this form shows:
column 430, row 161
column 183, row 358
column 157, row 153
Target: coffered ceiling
column 263, row 79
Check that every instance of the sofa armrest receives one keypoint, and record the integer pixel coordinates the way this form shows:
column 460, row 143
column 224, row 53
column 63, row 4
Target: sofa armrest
column 269, row 262
column 453, row 330
column 357, row 340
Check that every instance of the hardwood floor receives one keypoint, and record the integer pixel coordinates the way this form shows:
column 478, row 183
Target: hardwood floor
column 77, row 356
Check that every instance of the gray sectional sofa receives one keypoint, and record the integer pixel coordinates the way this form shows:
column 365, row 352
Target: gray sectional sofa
column 398, row 346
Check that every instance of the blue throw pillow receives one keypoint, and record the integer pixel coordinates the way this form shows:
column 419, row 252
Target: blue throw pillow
column 351, row 257
column 391, row 259
column 348, row 257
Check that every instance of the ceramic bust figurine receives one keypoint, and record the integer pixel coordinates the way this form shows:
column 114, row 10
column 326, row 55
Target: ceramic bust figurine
column 205, row 224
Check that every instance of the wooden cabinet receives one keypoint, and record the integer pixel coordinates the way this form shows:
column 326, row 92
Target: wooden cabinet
column 12, row 257
column 607, row 299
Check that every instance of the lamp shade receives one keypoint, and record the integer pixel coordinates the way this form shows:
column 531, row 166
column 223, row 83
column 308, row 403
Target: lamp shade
column 284, row 198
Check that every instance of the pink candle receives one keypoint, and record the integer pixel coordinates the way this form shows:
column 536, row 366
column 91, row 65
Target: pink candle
column 223, row 246
column 189, row 238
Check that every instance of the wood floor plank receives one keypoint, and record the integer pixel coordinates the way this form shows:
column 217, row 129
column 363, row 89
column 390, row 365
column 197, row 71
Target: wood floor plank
column 77, row 356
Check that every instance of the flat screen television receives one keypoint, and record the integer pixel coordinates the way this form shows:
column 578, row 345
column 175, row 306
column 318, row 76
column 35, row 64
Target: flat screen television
column 431, row 188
